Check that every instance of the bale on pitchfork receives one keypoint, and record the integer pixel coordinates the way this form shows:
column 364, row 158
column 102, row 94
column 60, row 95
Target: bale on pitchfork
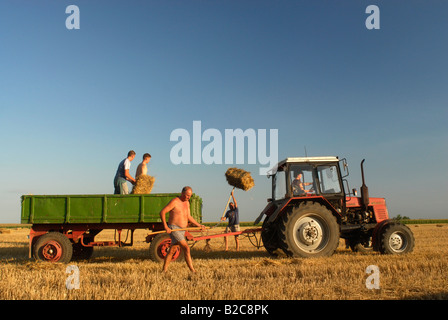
column 143, row 184
column 239, row 178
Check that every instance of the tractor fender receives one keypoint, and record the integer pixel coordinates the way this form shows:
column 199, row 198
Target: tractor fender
column 292, row 201
column 279, row 208
column 270, row 207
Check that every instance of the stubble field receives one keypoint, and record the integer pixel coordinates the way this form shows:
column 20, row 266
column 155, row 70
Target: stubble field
column 250, row 274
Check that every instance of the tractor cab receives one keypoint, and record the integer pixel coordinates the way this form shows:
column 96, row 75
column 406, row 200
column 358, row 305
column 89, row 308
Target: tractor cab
column 309, row 177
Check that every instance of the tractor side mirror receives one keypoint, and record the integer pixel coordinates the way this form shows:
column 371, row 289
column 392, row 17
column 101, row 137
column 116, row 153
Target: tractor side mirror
column 344, row 168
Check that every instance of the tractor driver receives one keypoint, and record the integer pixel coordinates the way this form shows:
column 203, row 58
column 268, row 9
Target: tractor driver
column 298, row 186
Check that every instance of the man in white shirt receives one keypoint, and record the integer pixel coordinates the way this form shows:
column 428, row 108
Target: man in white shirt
column 123, row 175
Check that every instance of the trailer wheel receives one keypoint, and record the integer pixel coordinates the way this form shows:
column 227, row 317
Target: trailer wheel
column 361, row 245
column 396, row 238
column 309, row 230
column 160, row 247
column 53, row 247
column 81, row 252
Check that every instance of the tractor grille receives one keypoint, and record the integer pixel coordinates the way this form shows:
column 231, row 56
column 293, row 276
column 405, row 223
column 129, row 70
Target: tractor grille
column 381, row 213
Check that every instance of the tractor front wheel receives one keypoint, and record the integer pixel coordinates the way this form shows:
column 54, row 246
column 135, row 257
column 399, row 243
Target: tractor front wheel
column 396, row 238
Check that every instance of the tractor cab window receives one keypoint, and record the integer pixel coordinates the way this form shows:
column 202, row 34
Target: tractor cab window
column 302, row 182
column 329, row 181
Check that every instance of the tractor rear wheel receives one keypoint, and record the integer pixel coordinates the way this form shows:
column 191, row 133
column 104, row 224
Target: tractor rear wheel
column 396, row 238
column 309, row 230
column 269, row 237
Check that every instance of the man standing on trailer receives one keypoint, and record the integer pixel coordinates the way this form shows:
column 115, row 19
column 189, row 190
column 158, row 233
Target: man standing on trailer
column 122, row 175
column 142, row 168
column 179, row 217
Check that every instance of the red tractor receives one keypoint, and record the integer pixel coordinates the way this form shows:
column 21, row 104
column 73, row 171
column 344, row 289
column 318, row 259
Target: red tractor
column 311, row 209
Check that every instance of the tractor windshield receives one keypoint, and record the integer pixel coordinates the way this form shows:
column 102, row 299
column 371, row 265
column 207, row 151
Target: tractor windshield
column 329, row 181
column 299, row 180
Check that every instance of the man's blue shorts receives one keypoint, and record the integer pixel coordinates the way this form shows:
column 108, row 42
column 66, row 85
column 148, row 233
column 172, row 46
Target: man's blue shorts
column 176, row 236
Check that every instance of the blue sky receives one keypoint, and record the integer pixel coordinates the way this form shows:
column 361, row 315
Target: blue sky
column 74, row 102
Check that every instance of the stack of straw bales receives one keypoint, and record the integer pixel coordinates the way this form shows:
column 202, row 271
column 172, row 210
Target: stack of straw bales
column 143, row 184
column 239, row 178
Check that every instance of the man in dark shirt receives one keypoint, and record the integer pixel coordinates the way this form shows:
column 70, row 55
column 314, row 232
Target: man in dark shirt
column 122, row 175
column 234, row 222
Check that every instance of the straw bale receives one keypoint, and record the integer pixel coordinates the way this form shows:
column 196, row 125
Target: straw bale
column 239, row 178
column 143, row 184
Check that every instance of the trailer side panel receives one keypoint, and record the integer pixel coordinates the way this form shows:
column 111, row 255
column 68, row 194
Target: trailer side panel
column 72, row 209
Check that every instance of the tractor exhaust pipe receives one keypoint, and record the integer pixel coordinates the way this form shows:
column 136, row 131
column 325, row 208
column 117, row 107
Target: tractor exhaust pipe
column 364, row 190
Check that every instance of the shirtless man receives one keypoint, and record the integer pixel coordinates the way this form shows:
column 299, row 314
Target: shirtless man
column 142, row 167
column 179, row 217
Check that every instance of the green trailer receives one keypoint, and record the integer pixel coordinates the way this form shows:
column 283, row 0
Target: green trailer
column 63, row 227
